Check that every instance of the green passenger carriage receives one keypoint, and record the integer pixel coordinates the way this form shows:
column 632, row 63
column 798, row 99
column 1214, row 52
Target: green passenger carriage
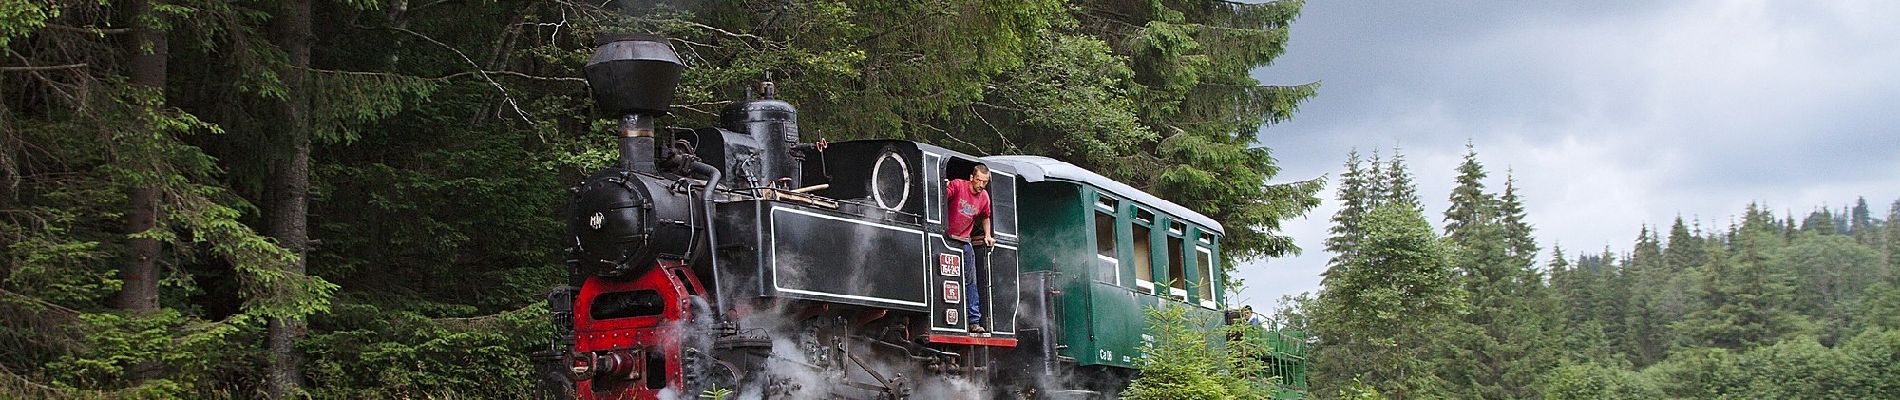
column 1118, row 251
column 1106, row 253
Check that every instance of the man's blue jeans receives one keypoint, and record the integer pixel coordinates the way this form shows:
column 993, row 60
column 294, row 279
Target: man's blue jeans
column 972, row 284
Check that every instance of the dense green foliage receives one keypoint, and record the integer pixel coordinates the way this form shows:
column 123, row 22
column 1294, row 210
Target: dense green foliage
column 1766, row 308
column 1187, row 360
column 440, row 135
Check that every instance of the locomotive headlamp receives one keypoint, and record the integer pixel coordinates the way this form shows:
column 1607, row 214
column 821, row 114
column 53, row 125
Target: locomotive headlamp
column 633, row 74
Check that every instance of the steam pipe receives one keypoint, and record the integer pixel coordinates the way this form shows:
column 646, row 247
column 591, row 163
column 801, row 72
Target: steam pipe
column 1048, row 323
column 712, row 233
column 636, row 143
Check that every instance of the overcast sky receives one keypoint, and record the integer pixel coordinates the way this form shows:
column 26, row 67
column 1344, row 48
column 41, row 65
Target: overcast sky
column 1613, row 114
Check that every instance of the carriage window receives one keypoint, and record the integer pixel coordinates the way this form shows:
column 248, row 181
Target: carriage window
column 1144, row 259
column 638, row 303
column 1204, row 264
column 1177, row 267
column 1177, row 228
column 1108, row 268
column 1144, row 216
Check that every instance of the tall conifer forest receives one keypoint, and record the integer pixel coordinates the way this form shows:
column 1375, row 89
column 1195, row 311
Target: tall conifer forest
column 1770, row 305
column 361, row 198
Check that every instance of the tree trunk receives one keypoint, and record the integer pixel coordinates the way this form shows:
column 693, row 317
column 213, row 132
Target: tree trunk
column 147, row 70
column 289, row 188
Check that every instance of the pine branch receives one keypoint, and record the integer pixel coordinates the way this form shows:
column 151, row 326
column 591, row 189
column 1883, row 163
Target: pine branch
column 1007, row 145
column 89, row 29
column 449, row 76
column 42, row 68
column 723, row 31
column 430, row 4
column 977, row 149
column 999, row 106
column 517, row 74
column 62, row 310
column 29, row 385
column 478, row 69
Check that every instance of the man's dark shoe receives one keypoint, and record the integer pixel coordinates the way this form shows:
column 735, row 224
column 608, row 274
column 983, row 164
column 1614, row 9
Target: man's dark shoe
column 978, row 329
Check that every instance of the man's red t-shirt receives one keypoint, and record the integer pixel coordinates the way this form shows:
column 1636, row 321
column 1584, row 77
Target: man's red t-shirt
column 966, row 206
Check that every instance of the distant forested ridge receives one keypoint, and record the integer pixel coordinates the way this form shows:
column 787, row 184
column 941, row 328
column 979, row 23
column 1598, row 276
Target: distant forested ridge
column 1768, row 306
column 360, row 198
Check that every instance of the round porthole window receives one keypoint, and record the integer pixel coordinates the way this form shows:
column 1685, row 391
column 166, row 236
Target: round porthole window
column 890, row 181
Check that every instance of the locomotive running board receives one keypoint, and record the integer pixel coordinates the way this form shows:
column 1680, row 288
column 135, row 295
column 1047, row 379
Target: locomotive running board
column 970, row 340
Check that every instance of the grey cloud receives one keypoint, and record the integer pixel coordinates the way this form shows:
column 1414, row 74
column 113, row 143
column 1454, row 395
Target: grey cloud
column 1612, row 114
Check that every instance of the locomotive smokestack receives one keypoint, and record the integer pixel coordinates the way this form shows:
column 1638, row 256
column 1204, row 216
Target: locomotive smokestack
column 636, row 143
column 633, row 77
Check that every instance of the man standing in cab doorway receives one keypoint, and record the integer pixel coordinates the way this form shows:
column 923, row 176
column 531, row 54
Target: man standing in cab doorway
column 969, row 202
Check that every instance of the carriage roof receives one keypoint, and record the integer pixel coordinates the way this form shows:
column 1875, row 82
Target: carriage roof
column 1039, row 168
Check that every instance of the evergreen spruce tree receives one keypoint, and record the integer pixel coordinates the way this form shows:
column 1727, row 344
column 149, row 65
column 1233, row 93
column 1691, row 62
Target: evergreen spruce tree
column 1354, row 202
column 1747, row 299
column 1685, row 249
column 1820, row 221
column 1509, row 336
column 1469, row 202
column 1564, row 282
column 1890, row 240
column 1367, row 307
column 1829, row 273
column 1376, row 182
column 1648, row 251
column 1518, row 234
column 1573, row 288
column 105, row 128
column 1473, row 225
column 1397, row 182
column 1190, row 62
column 1787, row 227
column 1651, row 309
column 1178, row 363
column 1373, row 311
column 146, row 52
column 1610, row 298
column 1861, row 222
column 1471, row 348
column 1843, row 221
column 289, row 190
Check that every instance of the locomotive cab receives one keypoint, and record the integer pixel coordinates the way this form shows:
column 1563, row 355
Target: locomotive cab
column 883, row 243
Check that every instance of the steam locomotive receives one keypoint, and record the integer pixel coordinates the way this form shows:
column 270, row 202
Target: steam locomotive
column 741, row 260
